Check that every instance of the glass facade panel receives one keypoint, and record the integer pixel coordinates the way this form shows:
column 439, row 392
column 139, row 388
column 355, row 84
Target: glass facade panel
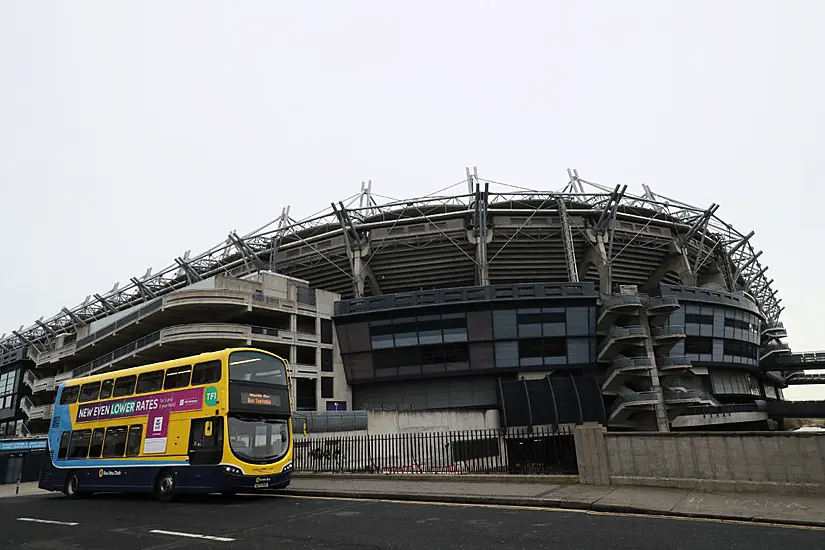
column 423, row 330
column 7, row 392
column 506, row 354
column 505, row 324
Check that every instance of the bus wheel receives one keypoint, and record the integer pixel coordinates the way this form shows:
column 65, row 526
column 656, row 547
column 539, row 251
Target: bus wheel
column 70, row 488
column 165, row 486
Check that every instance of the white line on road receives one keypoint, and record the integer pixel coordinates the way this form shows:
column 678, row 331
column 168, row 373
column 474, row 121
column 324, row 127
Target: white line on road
column 191, row 535
column 51, row 521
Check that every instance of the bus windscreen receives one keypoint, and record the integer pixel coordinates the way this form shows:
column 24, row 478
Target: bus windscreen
column 252, row 366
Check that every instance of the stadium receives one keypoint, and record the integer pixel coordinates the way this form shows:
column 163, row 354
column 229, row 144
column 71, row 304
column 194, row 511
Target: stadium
column 482, row 305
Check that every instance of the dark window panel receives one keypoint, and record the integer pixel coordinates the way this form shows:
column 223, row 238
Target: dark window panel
column 482, row 356
column 698, row 345
column 479, row 326
column 326, row 331
column 326, row 360
column 327, row 387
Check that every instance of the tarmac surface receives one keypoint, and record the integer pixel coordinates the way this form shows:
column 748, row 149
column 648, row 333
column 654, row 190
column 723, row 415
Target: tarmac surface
column 317, row 523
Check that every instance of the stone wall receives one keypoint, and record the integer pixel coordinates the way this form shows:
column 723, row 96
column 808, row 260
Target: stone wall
column 789, row 462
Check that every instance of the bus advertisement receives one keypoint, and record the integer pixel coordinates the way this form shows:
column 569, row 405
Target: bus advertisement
column 215, row 422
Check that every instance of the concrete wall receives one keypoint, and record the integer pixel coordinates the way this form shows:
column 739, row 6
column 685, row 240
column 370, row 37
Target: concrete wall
column 396, row 422
column 788, row 462
column 431, row 421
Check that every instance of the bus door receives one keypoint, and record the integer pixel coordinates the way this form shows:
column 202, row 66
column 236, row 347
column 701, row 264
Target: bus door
column 206, row 441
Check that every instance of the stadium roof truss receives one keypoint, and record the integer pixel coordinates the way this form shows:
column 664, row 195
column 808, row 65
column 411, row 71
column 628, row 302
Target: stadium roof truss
column 705, row 239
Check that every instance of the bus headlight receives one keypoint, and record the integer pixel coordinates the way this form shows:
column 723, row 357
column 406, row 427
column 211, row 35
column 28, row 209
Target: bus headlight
column 287, row 467
column 233, row 470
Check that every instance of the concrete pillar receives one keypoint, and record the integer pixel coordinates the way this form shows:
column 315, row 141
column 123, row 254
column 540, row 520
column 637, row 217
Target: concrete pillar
column 659, row 408
column 591, row 455
column 603, row 265
column 358, row 278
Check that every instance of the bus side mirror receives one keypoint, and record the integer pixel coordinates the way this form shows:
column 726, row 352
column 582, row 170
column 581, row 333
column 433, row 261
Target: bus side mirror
column 207, row 429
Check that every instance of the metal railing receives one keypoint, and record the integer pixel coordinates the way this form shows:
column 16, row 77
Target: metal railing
column 660, row 302
column 626, row 300
column 773, row 326
column 514, row 451
column 774, row 348
column 692, row 395
column 668, row 330
column 624, row 332
column 707, row 410
column 35, row 412
column 633, row 398
column 674, row 361
column 626, row 363
column 175, row 299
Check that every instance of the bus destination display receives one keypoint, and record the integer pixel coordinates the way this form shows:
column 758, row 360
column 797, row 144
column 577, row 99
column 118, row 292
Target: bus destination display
column 265, row 399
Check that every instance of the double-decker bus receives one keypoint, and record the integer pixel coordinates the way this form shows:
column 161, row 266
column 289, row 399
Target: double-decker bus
column 215, row 422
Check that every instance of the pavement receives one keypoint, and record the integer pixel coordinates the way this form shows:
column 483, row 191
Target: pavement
column 313, row 523
column 532, row 491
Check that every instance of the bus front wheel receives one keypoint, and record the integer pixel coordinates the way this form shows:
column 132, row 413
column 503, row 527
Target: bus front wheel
column 70, row 488
column 165, row 486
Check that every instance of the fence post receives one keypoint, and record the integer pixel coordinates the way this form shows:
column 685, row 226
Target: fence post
column 591, row 454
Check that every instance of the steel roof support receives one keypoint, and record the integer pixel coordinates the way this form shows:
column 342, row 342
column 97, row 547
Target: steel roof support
column 275, row 243
column 26, row 341
column 250, row 257
column 584, row 198
column 676, row 262
column 46, row 329
column 480, row 233
column 105, row 303
column 76, row 321
column 569, row 246
column 145, row 291
column 357, row 246
column 185, row 269
column 743, row 267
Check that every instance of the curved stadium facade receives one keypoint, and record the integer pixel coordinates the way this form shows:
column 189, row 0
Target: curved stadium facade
column 586, row 304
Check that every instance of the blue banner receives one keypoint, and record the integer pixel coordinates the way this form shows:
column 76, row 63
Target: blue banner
column 23, row 445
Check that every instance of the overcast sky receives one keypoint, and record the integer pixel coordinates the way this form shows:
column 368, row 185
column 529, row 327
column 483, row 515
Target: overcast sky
column 131, row 132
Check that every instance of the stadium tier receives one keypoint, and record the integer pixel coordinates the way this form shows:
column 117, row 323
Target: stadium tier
column 531, row 307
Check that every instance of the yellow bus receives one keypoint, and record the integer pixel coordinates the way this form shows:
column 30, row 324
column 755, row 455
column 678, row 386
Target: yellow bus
column 215, row 422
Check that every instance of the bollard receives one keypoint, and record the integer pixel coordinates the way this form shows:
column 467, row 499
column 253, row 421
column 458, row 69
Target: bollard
column 17, row 489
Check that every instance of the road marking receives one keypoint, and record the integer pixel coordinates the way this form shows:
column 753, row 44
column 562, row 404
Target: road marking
column 51, row 521
column 191, row 535
column 751, row 523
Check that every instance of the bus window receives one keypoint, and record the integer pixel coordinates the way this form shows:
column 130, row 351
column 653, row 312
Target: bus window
column 79, row 444
column 106, row 388
column 206, row 373
column 64, row 444
column 150, row 381
column 125, row 386
column 115, row 443
column 177, row 377
column 97, row 443
column 133, row 442
column 69, row 395
column 89, row 392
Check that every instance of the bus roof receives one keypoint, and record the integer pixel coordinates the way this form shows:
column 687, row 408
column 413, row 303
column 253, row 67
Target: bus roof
column 181, row 361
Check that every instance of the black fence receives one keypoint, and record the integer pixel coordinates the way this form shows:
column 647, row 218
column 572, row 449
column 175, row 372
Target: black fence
column 515, row 451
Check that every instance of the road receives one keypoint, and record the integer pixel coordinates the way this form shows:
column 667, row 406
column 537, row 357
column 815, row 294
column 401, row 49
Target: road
column 129, row 522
